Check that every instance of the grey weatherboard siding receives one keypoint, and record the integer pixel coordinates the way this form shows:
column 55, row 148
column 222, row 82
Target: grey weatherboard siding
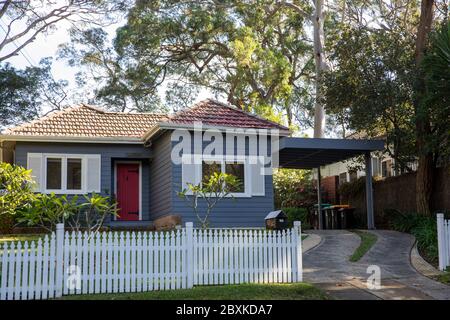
column 109, row 153
column 161, row 180
column 229, row 212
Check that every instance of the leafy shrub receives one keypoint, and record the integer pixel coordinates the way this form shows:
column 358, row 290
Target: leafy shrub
column 298, row 214
column 293, row 188
column 424, row 228
column 47, row 210
column 15, row 188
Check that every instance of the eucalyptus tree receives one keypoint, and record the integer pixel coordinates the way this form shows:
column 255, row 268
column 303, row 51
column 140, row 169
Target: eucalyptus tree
column 23, row 20
column 255, row 54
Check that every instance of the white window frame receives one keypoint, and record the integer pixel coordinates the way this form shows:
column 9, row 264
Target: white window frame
column 234, row 159
column 64, row 157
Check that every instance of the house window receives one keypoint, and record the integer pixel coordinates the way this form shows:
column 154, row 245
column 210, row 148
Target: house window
column 386, row 168
column 209, row 168
column 54, row 177
column 342, row 178
column 63, row 173
column 236, row 168
column 74, row 174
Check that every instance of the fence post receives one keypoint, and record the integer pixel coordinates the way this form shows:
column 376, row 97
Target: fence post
column 189, row 254
column 298, row 238
column 441, row 241
column 59, row 259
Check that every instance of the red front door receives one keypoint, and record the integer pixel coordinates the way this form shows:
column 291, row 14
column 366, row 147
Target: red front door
column 128, row 191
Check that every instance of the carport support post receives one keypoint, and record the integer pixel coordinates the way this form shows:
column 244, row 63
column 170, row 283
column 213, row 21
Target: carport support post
column 319, row 199
column 369, row 191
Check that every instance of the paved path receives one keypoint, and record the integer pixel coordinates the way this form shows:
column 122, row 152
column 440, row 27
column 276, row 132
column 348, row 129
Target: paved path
column 328, row 266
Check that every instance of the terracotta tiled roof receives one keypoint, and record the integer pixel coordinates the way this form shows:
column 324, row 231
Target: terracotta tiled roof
column 214, row 113
column 88, row 121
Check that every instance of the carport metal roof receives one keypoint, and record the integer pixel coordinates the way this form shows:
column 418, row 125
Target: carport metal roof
column 309, row 153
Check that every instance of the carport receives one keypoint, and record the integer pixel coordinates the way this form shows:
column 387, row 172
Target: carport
column 313, row 153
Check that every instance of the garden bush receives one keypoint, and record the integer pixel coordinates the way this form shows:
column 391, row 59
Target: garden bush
column 88, row 213
column 298, row 214
column 16, row 187
column 293, row 188
column 424, row 228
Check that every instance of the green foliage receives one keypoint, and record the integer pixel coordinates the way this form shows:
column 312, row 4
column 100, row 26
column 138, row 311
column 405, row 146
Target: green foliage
column 255, row 54
column 293, row 188
column 15, row 188
column 422, row 227
column 371, row 87
column 353, row 189
column 298, row 214
column 436, row 67
column 120, row 89
column 24, row 92
column 367, row 241
column 266, row 291
column 211, row 191
column 47, row 210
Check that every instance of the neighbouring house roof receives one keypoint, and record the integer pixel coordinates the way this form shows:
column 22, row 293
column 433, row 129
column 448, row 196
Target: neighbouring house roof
column 84, row 121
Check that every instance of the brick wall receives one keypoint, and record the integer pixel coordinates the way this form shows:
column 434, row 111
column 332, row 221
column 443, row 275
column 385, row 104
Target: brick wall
column 329, row 189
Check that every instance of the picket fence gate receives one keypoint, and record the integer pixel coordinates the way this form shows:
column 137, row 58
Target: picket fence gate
column 74, row 263
column 443, row 229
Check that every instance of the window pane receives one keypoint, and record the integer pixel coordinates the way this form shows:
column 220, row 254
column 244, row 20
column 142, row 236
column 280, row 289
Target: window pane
column 53, row 173
column 208, row 169
column 237, row 170
column 73, row 174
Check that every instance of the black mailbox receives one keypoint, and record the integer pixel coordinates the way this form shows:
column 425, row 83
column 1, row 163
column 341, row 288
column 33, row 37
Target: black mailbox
column 276, row 220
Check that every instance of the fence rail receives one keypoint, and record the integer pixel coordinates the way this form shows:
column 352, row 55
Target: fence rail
column 78, row 263
column 443, row 229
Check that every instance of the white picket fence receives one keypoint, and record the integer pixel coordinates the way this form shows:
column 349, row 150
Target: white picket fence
column 443, row 229
column 72, row 263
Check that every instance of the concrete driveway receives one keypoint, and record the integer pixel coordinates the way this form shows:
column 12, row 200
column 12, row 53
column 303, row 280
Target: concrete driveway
column 328, row 266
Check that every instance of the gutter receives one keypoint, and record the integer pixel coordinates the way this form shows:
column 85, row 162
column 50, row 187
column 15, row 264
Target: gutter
column 71, row 139
column 238, row 130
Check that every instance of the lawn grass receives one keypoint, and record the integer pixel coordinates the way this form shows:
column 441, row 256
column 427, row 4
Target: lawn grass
column 20, row 237
column 444, row 278
column 367, row 241
column 290, row 291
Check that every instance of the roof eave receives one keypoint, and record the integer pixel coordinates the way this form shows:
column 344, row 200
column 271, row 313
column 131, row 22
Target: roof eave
column 71, row 139
column 169, row 125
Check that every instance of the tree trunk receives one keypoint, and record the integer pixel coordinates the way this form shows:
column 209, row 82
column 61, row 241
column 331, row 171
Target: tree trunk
column 425, row 169
column 321, row 65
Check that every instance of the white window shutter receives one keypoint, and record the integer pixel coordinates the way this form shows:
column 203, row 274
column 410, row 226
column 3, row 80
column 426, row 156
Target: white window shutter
column 190, row 171
column 35, row 163
column 93, row 173
column 257, row 177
